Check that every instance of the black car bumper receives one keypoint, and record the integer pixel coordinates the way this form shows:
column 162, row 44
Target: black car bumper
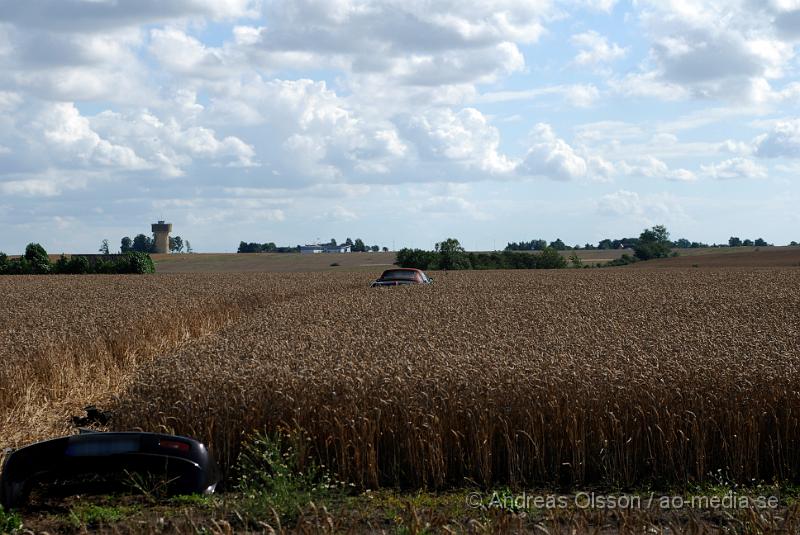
column 183, row 462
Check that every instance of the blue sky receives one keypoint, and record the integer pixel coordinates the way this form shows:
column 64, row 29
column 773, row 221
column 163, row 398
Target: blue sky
column 400, row 122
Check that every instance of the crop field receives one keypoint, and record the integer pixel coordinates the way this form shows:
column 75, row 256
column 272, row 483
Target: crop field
column 374, row 262
column 615, row 378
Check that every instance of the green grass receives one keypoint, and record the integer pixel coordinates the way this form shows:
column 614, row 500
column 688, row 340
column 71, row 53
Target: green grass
column 276, row 481
column 10, row 522
column 90, row 515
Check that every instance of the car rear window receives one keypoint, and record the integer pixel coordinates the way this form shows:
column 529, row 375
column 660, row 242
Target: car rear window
column 400, row 275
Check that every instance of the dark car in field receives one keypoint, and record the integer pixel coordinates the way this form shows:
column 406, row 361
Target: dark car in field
column 401, row 277
column 84, row 461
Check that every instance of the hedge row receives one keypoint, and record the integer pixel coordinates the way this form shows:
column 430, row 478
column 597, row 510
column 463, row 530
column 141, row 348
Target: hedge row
column 36, row 262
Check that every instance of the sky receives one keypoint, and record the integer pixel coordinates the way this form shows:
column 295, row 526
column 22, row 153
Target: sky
column 401, row 122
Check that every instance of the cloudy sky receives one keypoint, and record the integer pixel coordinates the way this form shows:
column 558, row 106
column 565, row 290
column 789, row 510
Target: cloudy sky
column 398, row 121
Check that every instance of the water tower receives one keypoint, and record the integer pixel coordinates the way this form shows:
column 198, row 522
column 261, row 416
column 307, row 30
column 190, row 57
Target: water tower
column 161, row 232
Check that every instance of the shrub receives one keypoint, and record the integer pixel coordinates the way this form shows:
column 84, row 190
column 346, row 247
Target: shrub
column 274, row 477
column 624, row 260
column 10, row 522
column 61, row 265
column 135, row 262
column 549, row 258
column 3, row 263
column 78, row 265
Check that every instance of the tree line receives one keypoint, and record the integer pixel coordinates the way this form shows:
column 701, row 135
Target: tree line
column 36, row 261
column 450, row 255
column 630, row 243
column 357, row 246
column 142, row 243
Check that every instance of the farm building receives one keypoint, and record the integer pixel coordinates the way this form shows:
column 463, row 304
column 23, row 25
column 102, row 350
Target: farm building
column 324, row 248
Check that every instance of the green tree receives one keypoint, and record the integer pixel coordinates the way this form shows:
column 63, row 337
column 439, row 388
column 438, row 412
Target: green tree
column 653, row 243
column 558, row 245
column 78, row 265
column 3, row 263
column 761, row 242
column 142, row 243
column 385, row 249
column 733, row 241
column 550, row 258
column 104, row 247
column 176, row 244
column 415, row 258
column 135, row 262
column 126, row 245
column 37, row 258
column 748, row 243
column 451, row 255
column 575, row 260
column 358, row 246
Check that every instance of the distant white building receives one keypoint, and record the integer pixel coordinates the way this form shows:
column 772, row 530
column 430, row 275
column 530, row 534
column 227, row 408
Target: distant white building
column 324, row 248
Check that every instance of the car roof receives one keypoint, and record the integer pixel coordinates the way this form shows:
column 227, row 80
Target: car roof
column 415, row 270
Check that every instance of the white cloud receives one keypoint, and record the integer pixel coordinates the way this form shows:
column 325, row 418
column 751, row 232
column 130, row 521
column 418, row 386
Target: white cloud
column 450, row 206
column 712, row 49
column 595, row 49
column 67, row 133
column 91, row 15
column 651, row 167
column 642, row 209
column 782, row 141
column 552, row 157
column 648, row 84
column 580, row 95
column 49, row 183
column 465, row 137
column 735, row 168
column 340, row 213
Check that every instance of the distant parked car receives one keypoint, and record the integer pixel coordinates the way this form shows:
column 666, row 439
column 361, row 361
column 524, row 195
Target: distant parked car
column 401, row 277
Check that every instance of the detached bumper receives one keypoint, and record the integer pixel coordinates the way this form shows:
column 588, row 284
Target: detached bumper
column 183, row 462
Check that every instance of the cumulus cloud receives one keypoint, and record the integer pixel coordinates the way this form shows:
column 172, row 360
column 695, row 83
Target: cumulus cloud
column 651, row 167
column 450, row 206
column 91, row 15
column 340, row 213
column 643, row 209
column 580, row 95
column 595, row 49
column 465, row 136
column 311, row 130
column 782, row 141
column 412, row 42
column 552, row 157
column 711, row 49
column 735, row 168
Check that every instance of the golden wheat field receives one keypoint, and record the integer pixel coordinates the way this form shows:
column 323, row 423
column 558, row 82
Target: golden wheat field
column 574, row 377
